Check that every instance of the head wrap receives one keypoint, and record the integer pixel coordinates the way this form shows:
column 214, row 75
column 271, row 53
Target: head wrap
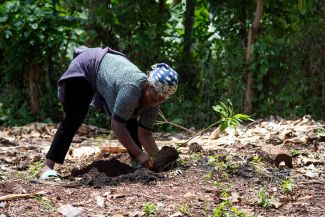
column 164, row 79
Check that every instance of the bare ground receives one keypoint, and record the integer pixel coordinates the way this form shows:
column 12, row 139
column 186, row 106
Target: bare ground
column 227, row 176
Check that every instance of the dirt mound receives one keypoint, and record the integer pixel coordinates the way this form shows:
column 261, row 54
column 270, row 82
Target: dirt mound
column 111, row 168
column 166, row 158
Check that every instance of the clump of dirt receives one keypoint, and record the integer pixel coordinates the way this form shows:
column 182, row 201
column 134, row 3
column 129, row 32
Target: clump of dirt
column 166, row 158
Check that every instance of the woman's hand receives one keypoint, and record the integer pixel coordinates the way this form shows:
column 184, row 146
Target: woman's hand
column 145, row 161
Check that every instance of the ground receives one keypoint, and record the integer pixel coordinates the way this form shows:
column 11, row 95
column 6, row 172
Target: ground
column 228, row 175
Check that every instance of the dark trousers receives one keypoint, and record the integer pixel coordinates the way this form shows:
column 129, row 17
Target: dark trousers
column 77, row 97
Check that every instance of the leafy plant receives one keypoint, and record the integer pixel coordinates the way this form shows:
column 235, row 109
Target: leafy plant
column 184, row 209
column 34, row 169
column 287, row 186
column 263, row 199
column 256, row 160
column 294, row 152
column 226, row 209
column 45, row 203
column 227, row 116
column 149, row 208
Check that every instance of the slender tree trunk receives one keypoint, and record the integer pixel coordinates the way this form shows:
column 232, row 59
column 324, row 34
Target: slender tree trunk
column 322, row 74
column 48, row 71
column 189, row 26
column 34, row 77
column 252, row 35
column 160, row 22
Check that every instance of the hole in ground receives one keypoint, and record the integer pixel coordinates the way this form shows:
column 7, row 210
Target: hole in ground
column 111, row 168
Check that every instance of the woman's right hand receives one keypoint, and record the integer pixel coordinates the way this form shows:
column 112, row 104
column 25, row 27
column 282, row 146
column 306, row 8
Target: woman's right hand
column 145, row 161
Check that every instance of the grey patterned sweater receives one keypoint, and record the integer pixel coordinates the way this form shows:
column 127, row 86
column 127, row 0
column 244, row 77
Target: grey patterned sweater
column 119, row 83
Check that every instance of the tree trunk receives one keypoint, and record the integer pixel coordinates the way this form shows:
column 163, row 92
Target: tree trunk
column 160, row 22
column 189, row 25
column 34, row 74
column 252, row 35
column 48, row 71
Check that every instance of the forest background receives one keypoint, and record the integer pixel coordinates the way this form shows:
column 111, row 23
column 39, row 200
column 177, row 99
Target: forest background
column 267, row 57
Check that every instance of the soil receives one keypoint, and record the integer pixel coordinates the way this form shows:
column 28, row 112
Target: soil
column 211, row 177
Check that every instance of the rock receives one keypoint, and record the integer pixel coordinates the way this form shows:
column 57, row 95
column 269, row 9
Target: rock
column 100, row 201
column 176, row 214
column 3, row 204
column 69, row 211
column 188, row 195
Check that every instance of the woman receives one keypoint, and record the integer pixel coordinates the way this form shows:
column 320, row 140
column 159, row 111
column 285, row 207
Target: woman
column 102, row 76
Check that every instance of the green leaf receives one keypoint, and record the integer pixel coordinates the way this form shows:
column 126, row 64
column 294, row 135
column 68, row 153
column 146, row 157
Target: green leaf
column 3, row 19
column 302, row 6
column 34, row 26
column 264, row 67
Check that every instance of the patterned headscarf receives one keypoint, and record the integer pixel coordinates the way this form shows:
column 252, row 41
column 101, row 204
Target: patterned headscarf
column 164, row 79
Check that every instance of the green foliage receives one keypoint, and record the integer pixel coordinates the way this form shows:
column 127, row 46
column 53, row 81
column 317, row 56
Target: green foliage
column 184, row 209
column 34, row 169
column 263, row 199
column 45, row 203
column 227, row 116
column 226, row 209
column 287, row 186
column 287, row 59
column 256, row 160
column 150, row 208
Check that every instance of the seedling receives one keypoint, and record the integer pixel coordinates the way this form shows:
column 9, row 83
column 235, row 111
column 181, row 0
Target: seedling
column 294, row 152
column 227, row 116
column 263, row 199
column 149, row 208
column 256, row 160
column 45, row 203
column 206, row 207
column 225, row 209
column 181, row 162
column 196, row 157
column 35, row 168
column 185, row 210
column 208, row 176
column 287, row 186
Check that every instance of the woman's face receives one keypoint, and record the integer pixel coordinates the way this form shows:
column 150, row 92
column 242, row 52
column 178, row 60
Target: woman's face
column 150, row 96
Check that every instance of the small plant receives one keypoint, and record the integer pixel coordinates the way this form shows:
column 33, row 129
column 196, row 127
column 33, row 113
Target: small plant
column 263, row 199
column 149, row 208
column 208, row 176
column 287, row 186
column 256, row 160
column 206, row 207
column 45, row 203
column 185, row 210
column 227, row 116
column 217, row 162
column 35, row 168
column 294, row 152
column 181, row 162
column 196, row 157
column 226, row 209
